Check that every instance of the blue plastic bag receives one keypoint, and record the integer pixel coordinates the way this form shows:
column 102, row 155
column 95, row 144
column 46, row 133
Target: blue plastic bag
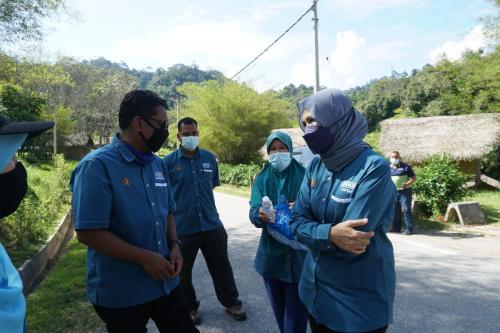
column 280, row 230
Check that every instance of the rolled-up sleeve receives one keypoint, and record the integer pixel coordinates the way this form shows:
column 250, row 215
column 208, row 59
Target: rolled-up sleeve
column 255, row 204
column 92, row 196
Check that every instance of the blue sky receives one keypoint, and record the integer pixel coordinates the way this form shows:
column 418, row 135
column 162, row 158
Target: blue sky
column 362, row 39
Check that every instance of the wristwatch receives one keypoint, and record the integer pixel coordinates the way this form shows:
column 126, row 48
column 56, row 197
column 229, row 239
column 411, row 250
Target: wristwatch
column 174, row 241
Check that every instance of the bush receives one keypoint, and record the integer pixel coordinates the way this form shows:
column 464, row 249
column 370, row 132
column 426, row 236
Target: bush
column 239, row 175
column 440, row 182
column 490, row 164
column 47, row 196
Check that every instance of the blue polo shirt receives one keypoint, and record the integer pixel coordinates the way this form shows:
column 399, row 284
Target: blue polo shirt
column 401, row 174
column 113, row 192
column 193, row 180
column 343, row 291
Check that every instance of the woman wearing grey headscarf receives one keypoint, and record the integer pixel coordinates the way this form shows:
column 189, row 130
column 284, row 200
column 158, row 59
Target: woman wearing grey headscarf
column 342, row 213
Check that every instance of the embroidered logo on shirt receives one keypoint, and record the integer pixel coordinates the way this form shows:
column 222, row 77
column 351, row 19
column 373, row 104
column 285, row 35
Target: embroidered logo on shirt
column 178, row 168
column 159, row 176
column 347, row 186
column 207, row 166
column 126, row 181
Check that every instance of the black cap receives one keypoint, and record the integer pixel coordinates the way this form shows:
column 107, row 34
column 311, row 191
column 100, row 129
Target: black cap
column 32, row 128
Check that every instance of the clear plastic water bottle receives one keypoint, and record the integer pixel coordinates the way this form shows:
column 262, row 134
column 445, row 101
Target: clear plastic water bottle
column 267, row 206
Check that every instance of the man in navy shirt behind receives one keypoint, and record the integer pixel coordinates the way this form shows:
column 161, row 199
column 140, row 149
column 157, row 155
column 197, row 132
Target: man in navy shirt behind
column 193, row 174
column 123, row 211
column 403, row 177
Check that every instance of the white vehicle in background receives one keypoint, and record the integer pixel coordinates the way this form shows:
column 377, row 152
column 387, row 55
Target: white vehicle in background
column 303, row 155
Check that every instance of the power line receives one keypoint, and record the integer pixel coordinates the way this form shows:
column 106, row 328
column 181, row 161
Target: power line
column 272, row 44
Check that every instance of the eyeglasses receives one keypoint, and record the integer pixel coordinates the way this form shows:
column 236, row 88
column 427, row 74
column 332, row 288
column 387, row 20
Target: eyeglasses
column 162, row 123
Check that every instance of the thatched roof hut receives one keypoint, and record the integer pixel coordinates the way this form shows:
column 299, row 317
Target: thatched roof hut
column 465, row 138
column 296, row 135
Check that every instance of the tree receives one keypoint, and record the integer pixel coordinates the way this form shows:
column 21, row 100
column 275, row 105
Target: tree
column 105, row 96
column 22, row 19
column 19, row 104
column 234, row 120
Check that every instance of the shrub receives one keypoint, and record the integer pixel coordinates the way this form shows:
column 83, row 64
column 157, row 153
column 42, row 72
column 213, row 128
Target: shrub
column 490, row 164
column 48, row 194
column 440, row 182
column 239, row 175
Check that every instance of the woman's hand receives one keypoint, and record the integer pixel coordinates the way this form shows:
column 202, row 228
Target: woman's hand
column 349, row 239
column 264, row 217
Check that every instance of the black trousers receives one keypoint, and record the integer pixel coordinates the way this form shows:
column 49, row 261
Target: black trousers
column 213, row 246
column 169, row 313
column 318, row 328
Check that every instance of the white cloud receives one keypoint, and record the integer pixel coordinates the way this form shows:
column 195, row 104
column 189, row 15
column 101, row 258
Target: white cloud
column 226, row 44
column 361, row 8
column 353, row 61
column 343, row 67
column 453, row 50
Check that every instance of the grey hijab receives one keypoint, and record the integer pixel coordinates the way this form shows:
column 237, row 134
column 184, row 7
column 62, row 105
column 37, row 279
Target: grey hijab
column 348, row 127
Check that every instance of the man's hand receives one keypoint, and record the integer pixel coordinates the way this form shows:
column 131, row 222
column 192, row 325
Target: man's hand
column 349, row 239
column 264, row 217
column 158, row 267
column 176, row 259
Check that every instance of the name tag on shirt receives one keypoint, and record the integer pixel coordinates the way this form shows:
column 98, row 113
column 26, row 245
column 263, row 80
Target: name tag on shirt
column 161, row 184
column 341, row 200
column 207, row 167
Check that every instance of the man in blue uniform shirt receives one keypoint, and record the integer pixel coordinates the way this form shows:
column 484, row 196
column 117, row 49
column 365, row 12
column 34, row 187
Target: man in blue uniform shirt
column 403, row 177
column 123, row 211
column 193, row 174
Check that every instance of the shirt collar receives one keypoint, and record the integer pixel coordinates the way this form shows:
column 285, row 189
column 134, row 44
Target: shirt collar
column 126, row 154
column 180, row 153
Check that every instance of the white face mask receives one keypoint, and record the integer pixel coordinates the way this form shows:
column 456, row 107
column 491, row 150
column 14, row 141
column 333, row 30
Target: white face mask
column 394, row 161
column 190, row 142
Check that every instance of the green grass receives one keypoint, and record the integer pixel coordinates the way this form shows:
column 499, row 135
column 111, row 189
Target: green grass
column 490, row 203
column 239, row 191
column 38, row 175
column 60, row 302
column 373, row 139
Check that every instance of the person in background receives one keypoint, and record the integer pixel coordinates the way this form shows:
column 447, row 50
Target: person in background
column 279, row 264
column 344, row 209
column 123, row 210
column 13, row 188
column 193, row 174
column 403, row 178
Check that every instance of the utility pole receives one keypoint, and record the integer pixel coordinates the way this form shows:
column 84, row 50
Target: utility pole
column 54, row 131
column 316, row 56
column 177, row 120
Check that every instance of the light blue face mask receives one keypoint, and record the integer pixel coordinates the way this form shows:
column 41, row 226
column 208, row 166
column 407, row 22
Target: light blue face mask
column 9, row 144
column 280, row 161
column 190, row 142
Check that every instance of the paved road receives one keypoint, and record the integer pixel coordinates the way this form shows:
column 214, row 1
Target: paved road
column 446, row 282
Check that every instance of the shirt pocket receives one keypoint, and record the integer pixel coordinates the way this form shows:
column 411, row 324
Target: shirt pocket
column 338, row 203
column 207, row 173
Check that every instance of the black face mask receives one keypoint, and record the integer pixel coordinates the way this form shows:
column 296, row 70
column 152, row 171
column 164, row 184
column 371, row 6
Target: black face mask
column 13, row 187
column 157, row 139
